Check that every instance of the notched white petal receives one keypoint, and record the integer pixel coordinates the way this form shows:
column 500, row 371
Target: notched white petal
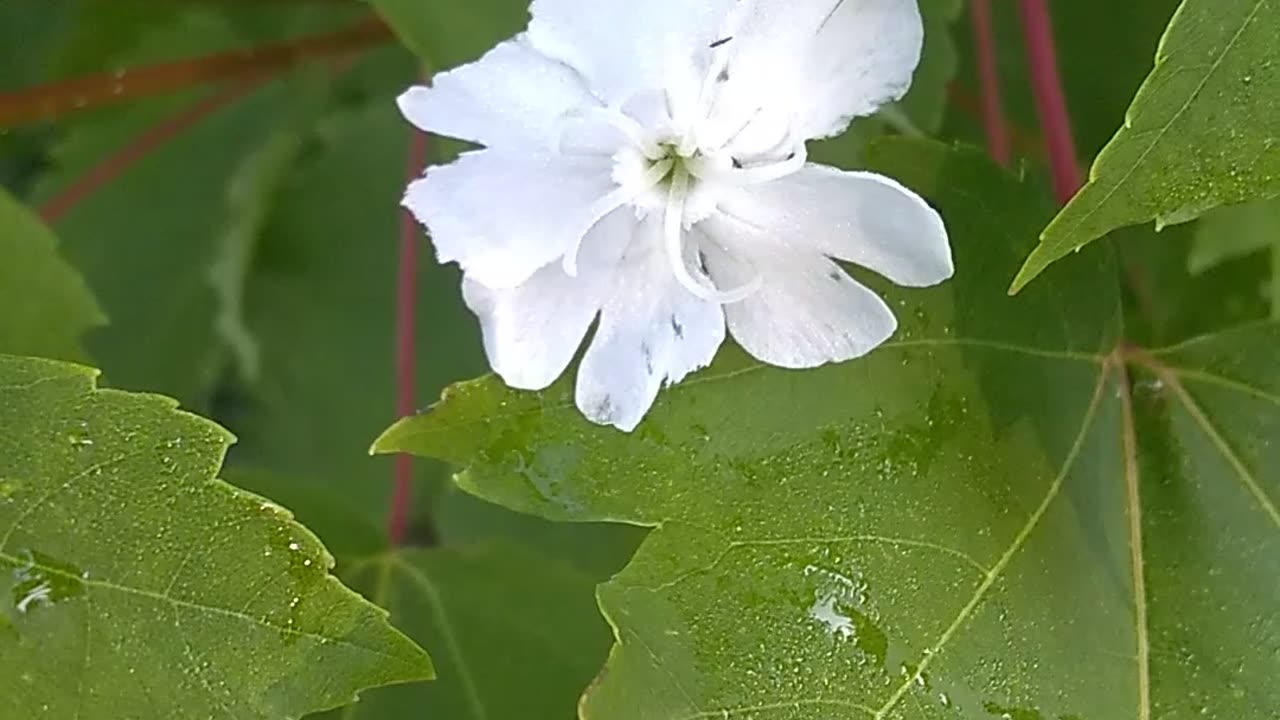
column 502, row 215
column 652, row 332
column 627, row 46
column 514, row 96
column 861, row 217
column 532, row 331
column 808, row 312
column 828, row 61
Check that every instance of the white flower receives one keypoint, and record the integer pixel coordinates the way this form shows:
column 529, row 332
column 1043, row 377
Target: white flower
column 643, row 162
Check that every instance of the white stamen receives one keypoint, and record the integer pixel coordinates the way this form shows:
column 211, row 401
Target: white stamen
column 755, row 175
column 607, row 204
column 673, row 231
column 708, row 95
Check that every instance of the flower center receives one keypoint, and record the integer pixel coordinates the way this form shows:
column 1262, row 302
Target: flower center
column 675, row 176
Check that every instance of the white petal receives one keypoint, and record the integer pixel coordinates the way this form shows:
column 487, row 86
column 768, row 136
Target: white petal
column 513, row 96
column 861, row 217
column 828, row 61
column 502, row 215
column 532, row 331
column 652, row 332
column 627, row 46
column 807, row 312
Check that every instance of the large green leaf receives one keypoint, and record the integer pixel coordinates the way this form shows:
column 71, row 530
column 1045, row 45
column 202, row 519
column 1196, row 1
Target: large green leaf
column 134, row 584
column 515, row 634
column 46, row 306
column 1200, row 133
column 596, row 549
column 978, row 520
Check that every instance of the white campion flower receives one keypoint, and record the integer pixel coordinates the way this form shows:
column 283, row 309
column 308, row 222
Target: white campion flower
column 644, row 163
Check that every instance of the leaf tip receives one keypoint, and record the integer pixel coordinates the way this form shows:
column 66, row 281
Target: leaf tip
column 1024, row 276
column 387, row 442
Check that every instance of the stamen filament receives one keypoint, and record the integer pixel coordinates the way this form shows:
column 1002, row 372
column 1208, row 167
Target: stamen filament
column 607, row 204
column 673, row 234
column 755, row 175
column 708, row 94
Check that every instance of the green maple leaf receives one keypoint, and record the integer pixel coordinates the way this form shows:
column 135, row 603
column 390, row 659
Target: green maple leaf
column 1200, row 133
column 134, row 584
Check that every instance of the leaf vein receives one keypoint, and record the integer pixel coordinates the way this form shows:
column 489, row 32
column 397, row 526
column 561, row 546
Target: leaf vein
column 784, row 705
column 187, row 605
column 1018, row 542
column 33, row 507
column 1197, row 413
column 432, row 594
column 1129, row 443
column 1225, row 382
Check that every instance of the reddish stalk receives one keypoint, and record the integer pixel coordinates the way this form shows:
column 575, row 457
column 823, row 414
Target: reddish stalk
column 993, row 121
column 92, row 91
column 117, row 163
column 1051, row 105
column 406, row 327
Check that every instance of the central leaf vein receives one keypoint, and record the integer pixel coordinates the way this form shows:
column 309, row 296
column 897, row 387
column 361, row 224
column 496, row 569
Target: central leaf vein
column 1018, row 542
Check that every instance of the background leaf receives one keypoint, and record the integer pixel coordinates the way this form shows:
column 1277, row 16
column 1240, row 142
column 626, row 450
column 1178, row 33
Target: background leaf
column 1199, row 133
column 443, row 35
column 114, row 527
column 1167, row 304
column 517, row 634
column 892, row 537
column 46, row 306
column 926, row 103
column 1241, row 231
column 1234, row 232
column 151, row 270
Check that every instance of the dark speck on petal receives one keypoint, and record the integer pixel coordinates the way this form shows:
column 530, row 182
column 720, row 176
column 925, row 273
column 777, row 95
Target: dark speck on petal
column 676, row 328
column 603, row 411
column 648, row 357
